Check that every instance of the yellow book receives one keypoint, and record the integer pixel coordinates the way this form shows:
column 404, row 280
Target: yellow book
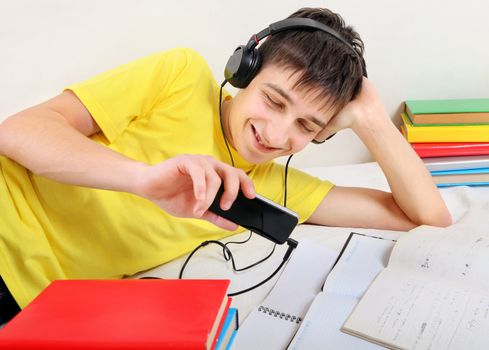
column 443, row 133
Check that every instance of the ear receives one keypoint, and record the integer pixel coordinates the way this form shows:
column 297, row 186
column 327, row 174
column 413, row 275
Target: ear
column 324, row 135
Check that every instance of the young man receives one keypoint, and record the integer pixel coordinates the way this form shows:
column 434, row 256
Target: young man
column 109, row 177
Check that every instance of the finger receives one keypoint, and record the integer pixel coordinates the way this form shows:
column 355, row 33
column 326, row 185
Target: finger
column 219, row 221
column 213, row 183
column 234, row 180
column 231, row 188
column 246, row 185
column 198, row 177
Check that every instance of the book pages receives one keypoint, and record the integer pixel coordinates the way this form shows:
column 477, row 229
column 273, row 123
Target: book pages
column 363, row 258
column 273, row 323
column 434, row 294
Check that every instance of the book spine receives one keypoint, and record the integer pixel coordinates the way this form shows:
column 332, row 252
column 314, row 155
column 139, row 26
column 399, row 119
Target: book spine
column 456, row 163
column 465, row 133
column 461, row 171
column 416, row 120
column 469, row 105
column 437, row 118
column 453, row 184
column 446, row 149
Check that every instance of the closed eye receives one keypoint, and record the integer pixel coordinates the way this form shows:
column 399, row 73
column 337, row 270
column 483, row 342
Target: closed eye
column 305, row 127
column 272, row 102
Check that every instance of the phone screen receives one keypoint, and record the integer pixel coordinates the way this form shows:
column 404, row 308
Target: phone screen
column 260, row 215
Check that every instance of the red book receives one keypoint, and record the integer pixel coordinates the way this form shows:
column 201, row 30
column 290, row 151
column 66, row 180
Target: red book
column 447, row 149
column 121, row 314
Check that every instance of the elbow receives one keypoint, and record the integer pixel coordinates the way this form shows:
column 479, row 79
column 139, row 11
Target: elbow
column 448, row 221
column 441, row 218
column 9, row 138
column 4, row 137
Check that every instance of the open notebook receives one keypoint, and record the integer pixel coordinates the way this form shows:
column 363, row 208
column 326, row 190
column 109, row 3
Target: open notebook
column 273, row 323
column 434, row 293
column 288, row 310
column 361, row 259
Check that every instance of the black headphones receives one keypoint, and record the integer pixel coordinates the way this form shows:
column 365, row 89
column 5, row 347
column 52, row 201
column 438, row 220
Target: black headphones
column 246, row 60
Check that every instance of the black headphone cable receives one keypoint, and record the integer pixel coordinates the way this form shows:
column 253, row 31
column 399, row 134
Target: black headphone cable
column 220, row 121
column 292, row 244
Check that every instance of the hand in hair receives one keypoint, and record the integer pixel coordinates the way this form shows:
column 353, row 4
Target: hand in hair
column 367, row 104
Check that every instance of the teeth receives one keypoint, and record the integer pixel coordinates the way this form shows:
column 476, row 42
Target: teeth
column 258, row 138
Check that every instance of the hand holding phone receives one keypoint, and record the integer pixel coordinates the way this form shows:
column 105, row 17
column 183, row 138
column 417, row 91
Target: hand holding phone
column 260, row 215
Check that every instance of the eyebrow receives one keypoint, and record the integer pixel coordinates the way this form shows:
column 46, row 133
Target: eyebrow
column 287, row 97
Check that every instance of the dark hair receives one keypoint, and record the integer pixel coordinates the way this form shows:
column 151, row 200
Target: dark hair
column 322, row 61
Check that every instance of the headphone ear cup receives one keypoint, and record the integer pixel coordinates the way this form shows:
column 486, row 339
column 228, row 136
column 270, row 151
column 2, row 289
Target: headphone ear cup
column 320, row 142
column 242, row 66
column 364, row 67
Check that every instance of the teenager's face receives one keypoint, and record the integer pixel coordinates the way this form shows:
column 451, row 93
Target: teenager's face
column 270, row 118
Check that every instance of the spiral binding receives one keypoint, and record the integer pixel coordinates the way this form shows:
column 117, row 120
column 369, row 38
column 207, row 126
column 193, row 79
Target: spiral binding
column 281, row 315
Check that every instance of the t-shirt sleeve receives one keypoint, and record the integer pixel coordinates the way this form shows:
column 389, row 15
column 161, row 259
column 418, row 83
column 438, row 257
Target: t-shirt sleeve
column 128, row 92
column 304, row 192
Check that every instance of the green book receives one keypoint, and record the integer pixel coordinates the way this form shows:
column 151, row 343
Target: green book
column 471, row 105
column 453, row 111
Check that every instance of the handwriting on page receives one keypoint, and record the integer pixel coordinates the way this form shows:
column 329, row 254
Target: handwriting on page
column 434, row 292
column 436, row 308
column 460, row 258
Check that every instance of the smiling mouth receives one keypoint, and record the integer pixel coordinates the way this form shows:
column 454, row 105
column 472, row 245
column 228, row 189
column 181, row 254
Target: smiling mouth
column 263, row 147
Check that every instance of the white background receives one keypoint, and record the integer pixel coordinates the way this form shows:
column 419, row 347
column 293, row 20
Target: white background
column 414, row 48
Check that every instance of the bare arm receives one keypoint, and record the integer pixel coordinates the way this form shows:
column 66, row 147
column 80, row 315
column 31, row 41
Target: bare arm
column 50, row 139
column 414, row 200
column 361, row 207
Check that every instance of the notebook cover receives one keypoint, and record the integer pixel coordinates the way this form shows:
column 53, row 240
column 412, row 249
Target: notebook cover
column 120, row 314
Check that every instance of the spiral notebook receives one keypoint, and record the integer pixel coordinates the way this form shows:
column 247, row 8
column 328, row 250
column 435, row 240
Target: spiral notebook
column 282, row 311
column 362, row 258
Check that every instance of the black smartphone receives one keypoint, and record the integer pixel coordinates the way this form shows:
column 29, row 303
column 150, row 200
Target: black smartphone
column 260, row 215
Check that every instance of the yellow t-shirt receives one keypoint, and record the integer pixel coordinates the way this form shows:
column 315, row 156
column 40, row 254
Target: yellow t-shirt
column 150, row 110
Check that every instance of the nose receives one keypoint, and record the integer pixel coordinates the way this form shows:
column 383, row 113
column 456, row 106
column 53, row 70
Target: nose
column 277, row 132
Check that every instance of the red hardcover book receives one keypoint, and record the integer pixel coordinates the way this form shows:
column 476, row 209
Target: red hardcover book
column 121, row 314
column 447, row 149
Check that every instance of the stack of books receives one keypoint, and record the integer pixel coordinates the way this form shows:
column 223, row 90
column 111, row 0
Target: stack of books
column 451, row 137
column 125, row 314
column 228, row 331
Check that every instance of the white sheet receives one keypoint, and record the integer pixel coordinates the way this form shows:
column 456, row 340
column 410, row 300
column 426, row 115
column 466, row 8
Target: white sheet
column 209, row 263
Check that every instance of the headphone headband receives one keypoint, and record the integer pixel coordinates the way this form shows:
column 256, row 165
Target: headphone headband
column 294, row 23
column 245, row 62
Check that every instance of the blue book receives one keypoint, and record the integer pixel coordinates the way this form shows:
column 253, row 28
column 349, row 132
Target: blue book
column 452, row 163
column 228, row 331
column 460, row 171
column 461, row 177
column 473, row 184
